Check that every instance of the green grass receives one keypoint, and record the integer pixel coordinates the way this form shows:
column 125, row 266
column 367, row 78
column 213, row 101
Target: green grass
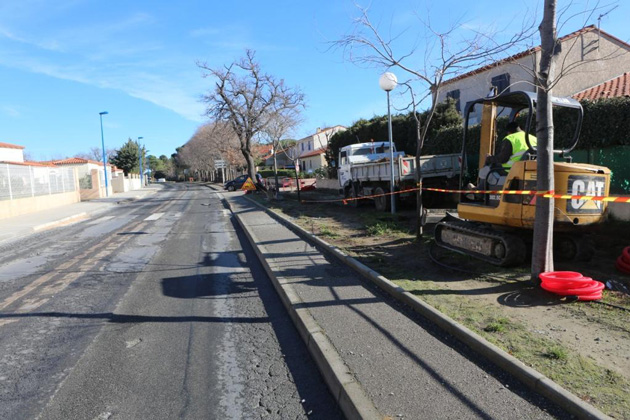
column 557, row 353
column 385, row 227
column 605, row 389
column 326, row 232
column 497, row 325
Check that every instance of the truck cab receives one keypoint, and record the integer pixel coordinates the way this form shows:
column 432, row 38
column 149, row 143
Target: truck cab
column 361, row 153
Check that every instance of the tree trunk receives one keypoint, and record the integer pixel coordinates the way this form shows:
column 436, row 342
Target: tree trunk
column 542, row 252
column 419, row 209
column 275, row 170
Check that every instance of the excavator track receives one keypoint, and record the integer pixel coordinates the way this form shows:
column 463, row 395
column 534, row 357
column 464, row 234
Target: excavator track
column 481, row 242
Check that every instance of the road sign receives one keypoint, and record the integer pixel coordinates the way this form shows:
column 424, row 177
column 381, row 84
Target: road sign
column 220, row 164
column 248, row 185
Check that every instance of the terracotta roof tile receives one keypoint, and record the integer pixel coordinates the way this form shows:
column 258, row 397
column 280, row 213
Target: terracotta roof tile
column 313, row 153
column 76, row 161
column 614, row 88
column 10, row 146
column 280, row 151
column 30, row 163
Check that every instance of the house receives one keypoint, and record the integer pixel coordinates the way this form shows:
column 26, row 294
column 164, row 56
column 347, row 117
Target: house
column 91, row 176
column 27, row 187
column 282, row 158
column 312, row 149
column 11, row 152
column 592, row 55
column 262, row 151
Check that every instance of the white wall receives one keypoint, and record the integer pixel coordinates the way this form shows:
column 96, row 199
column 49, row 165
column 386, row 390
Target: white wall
column 11, row 155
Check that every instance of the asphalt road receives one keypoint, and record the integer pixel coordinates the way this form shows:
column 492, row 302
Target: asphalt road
column 156, row 310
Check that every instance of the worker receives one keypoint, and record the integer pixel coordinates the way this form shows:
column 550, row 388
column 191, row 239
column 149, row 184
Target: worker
column 512, row 149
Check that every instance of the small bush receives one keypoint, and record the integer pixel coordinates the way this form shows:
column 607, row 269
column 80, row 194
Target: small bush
column 557, row 353
column 383, row 227
column 325, row 231
column 497, row 325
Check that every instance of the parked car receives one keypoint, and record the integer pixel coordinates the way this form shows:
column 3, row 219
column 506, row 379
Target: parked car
column 236, row 183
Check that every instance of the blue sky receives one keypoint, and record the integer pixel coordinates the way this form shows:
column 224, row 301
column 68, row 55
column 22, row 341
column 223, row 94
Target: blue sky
column 64, row 61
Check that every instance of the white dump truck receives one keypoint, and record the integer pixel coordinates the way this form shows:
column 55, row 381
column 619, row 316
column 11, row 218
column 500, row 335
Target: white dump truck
column 364, row 171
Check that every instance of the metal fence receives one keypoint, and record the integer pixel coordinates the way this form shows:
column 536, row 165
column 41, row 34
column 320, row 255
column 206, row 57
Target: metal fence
column 20, row 181
column 615, row 158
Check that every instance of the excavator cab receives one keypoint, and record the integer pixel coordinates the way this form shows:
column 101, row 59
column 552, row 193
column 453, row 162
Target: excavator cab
column 497, row 227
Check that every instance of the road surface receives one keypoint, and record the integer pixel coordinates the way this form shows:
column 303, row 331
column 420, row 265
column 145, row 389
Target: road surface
column 157, row 309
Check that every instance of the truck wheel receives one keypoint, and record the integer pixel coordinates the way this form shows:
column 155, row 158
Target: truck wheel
column 383, row 202
column 352, row 193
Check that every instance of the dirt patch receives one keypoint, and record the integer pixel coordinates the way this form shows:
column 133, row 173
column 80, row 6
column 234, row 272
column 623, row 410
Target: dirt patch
column 585, row 347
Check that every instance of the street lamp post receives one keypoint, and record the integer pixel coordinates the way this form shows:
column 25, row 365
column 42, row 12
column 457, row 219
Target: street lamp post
column 388, row 82
column 100, row 114
column 140, row 162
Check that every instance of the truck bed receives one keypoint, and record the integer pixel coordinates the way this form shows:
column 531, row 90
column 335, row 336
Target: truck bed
column 405, row 168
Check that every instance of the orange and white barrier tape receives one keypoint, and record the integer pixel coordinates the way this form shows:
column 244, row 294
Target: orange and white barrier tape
column 545, row 194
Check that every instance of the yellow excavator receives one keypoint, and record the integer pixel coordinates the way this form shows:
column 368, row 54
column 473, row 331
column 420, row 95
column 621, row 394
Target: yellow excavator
column 497, row 228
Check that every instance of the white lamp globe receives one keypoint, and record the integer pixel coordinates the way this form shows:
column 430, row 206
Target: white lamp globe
column 388, row 81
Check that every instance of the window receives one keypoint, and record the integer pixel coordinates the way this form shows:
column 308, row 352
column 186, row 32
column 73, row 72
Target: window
column 309, row 145
column 454, row 94
column 502, row 83
column 302, row 146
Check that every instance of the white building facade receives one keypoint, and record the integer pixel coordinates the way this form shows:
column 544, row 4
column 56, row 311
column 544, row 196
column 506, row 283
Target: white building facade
column 312, row 149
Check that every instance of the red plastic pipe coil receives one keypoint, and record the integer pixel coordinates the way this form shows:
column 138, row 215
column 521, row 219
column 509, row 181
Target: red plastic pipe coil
column 571, row 283
column 623, row 261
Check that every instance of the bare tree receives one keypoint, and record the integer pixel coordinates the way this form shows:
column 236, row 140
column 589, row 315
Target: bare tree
column 96, row 153
column 280, row 126
column 247, row 100
column 445, row 57
column 293, row 153
column 551, row 70
column 212, row 141
column 542, row 251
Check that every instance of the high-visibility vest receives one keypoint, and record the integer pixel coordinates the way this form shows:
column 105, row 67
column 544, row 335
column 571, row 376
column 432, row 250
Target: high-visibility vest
column 519, row 147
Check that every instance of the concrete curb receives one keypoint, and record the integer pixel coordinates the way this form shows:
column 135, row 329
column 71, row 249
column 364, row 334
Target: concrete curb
column 348, row 393
column 61, row 222
column 529, row 377
column 87, row 214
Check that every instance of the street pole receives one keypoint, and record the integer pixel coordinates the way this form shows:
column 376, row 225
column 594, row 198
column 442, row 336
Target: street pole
column 388, row 82
column 140, row 161
column 100, row 114
column 391, row 156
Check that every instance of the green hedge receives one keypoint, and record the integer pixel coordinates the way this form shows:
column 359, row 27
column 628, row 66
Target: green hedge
column 606, row 124
column 268, row 173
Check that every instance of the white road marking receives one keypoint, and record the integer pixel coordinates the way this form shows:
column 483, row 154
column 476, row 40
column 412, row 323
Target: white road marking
column 154, row 216
column 132, row 343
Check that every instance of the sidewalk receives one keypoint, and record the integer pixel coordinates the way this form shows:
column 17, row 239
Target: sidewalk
column 17, row 227
column 376, row 358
